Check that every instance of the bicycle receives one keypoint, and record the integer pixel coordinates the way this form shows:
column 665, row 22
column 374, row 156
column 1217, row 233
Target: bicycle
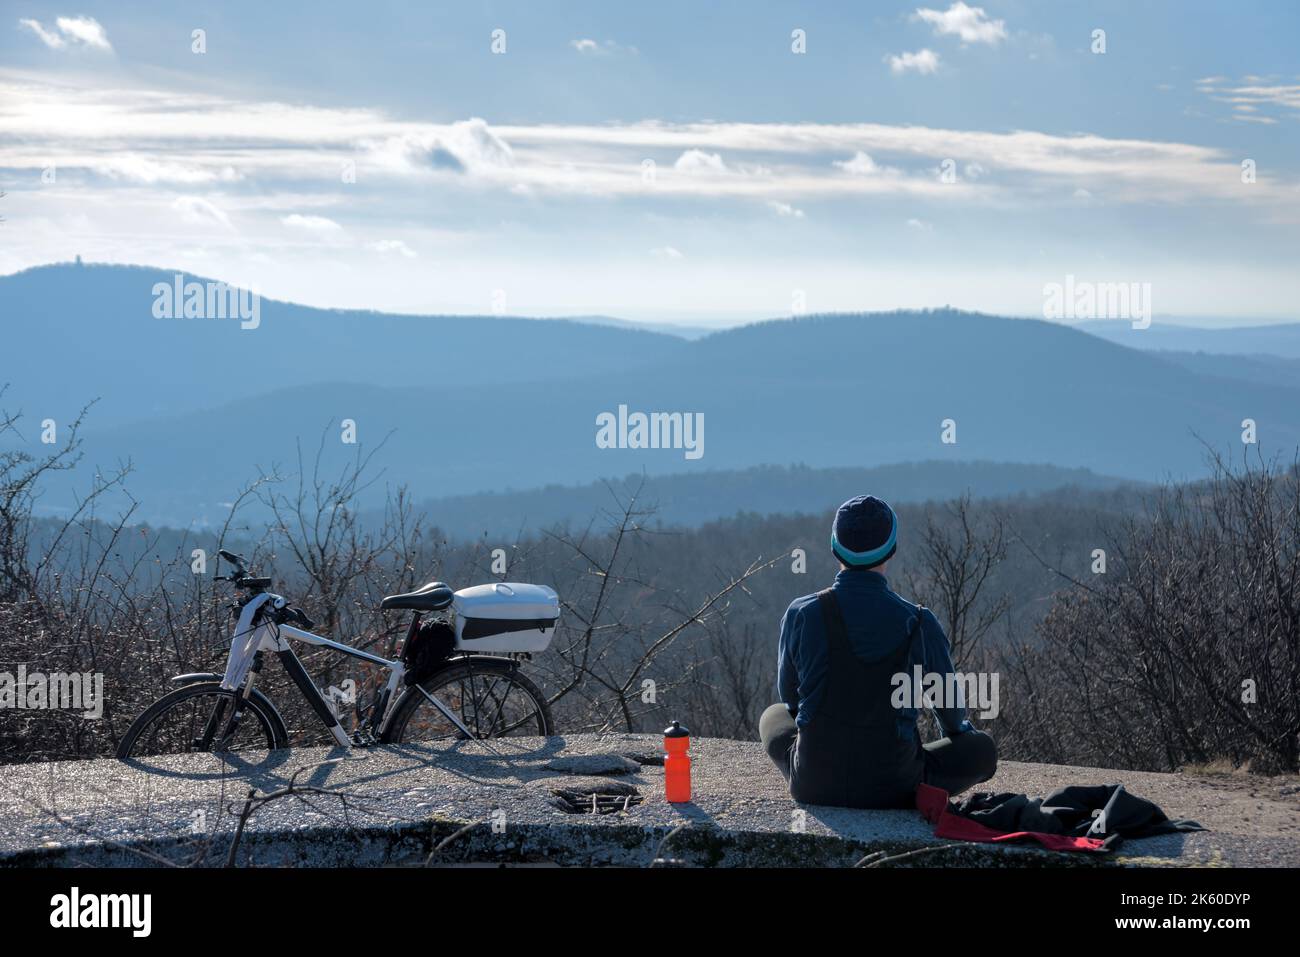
column 461, row 693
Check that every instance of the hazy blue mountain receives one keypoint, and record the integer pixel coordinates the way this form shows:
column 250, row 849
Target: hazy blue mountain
column 481, row 404
column 74, row 332
column 1272, row 370
column 691, row 500
column 855, row 390
column 682, row 331
column 1281, row 340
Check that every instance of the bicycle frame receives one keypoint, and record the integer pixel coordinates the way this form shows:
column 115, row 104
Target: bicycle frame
column 261, row 634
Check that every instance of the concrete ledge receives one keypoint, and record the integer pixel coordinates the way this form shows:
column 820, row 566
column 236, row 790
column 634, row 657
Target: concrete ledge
column 393, row 805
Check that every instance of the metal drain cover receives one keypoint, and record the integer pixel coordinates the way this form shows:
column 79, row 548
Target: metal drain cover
column 605, row 798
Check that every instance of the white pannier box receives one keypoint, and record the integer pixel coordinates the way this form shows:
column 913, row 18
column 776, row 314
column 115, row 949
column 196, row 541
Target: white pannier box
column 505, row 616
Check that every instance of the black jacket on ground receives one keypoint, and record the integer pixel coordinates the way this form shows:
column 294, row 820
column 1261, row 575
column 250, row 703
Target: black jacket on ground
column 1104, row 811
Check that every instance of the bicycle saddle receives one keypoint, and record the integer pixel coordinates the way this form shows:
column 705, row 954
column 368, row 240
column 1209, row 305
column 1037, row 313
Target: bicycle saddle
column 431, row 597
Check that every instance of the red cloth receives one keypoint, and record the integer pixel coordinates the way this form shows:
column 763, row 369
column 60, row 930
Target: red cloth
column 932, row 802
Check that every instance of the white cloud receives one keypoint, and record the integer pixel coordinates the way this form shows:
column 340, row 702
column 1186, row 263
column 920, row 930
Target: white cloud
column 285, row 158
column 474, row 143
column 699, row 161
column 920, row 225
column 48, row 37
column 392, row 246
column 666, row 252
column 85, row 30
column 1253, row 95
column 922, row 61
column 860, row 165
column 81, row 31
column 589, row 47
column 970, row 23
column 784, row 209
column 146, row 169
column 314, row 224
column 467, row 146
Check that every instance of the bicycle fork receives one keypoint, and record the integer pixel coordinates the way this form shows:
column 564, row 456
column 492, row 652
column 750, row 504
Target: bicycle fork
column 205, row 742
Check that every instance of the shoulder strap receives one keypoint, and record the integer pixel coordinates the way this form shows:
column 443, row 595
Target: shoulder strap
column 914, row 631
column 836, row 631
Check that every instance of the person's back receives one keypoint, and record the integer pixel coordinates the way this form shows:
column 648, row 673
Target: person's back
column 840, row 735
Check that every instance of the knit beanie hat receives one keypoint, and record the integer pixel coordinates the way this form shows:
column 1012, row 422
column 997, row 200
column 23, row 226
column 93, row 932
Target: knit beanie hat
column 865, row 532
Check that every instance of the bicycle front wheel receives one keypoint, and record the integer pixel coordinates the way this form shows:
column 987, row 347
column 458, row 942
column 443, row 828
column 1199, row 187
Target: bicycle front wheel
column 490, row 700
column 195, row 717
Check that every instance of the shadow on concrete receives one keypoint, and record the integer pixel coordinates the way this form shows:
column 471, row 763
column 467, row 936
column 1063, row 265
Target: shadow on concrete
column 692, row 814
column 245, row 763
column 463, row 758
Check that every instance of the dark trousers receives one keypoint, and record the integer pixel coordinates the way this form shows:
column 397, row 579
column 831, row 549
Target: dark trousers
column 953, row 764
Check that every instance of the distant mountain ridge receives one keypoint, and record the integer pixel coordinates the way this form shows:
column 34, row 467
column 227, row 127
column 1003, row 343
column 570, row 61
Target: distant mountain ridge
column 1248, row 367
column 473, row 404
column 681, row 330
column 692, row 500
column 95, row 325
column 1281, row 340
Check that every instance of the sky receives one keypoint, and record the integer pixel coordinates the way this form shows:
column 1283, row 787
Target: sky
column 677, row 162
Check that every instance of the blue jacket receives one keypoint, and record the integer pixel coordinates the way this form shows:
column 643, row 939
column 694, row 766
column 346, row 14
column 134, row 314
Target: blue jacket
column 877, row 621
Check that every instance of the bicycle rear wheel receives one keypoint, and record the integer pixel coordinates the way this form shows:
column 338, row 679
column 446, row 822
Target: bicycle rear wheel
column 192, row 719
column 490, row 699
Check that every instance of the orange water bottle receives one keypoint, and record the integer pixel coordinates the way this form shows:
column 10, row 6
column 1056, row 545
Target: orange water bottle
column 677, row 764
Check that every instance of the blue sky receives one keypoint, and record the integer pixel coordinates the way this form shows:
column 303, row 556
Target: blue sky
column 521, row 181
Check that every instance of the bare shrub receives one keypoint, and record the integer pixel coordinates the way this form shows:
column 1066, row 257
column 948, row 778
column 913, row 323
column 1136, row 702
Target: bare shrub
column 1188, row 648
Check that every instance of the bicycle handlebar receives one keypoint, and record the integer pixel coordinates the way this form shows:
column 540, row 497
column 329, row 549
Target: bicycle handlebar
column 241, row 579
